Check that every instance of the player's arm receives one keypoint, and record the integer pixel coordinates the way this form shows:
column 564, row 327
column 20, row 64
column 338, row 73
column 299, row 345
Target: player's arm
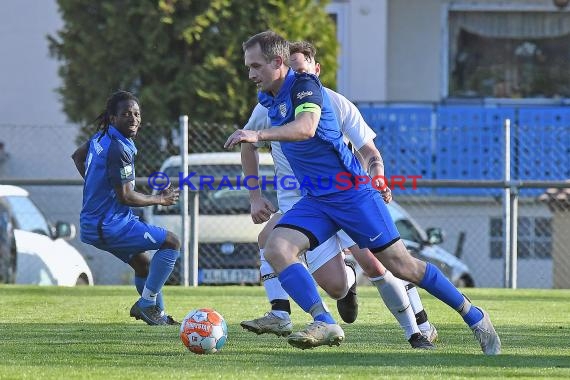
column 371, row 160
column 307, row 101
column 79, row 157
column 302, row 128
column 261, row 208
column 307, row 115
column 121, row 174
column 127, row 195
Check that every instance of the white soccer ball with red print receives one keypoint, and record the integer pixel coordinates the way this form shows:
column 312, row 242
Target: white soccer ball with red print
column 204, row 331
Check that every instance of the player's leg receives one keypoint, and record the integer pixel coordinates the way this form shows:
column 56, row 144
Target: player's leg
column 426, row 327
column 377, row 231
column 141, row 263
column 426, row 275
column 301, row 228
column 138, row 236
column 277, row 321
column 374, row 269
column 327, row 265
column 393, row 294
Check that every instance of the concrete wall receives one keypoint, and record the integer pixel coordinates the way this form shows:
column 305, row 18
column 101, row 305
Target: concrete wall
column 414, row 45
column 28, row 76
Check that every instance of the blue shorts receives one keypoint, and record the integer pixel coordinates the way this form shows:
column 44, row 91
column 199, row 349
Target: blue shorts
column 134, row 238
column 361, row 213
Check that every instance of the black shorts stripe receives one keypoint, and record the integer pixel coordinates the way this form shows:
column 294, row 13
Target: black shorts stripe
column 383, row 247
column 314, row 243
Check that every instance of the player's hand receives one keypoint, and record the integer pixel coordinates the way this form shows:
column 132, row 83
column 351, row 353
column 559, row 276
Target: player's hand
column 383, row 189
column 386, row 195
column 241, row 135
column 169, row 196
column 261, row 210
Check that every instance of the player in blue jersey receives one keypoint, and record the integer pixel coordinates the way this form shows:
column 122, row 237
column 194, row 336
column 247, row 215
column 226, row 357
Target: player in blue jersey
column 338, row 194
column 106, row 162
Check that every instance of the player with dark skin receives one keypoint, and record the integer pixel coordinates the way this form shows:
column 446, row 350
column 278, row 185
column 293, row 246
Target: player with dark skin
column 120, row 122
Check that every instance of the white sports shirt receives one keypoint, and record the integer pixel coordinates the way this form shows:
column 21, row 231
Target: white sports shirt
column 352, row 125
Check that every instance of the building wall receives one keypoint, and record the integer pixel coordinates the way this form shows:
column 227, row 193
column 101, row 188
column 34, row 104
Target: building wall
column 367, row 50
column 28, row 76
column 473, row 218
column 414, row 51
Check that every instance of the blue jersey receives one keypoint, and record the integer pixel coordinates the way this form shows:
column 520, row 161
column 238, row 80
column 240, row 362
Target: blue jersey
column 109, row 163
column 319, row 161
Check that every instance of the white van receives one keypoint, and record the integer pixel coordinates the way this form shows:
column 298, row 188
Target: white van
column 32, row 251
column 227, row 237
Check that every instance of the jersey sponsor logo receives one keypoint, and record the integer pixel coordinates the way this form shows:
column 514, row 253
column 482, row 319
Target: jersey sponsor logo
column 304, row 94
column 283, row 109
column 126, row 171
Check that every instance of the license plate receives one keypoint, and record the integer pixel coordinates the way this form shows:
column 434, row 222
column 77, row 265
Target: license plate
column 229, row 276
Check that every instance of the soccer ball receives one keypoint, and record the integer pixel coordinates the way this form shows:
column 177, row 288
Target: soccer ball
column 204, row 331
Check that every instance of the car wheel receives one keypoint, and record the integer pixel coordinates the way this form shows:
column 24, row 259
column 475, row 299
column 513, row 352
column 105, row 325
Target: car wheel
column 82, row 280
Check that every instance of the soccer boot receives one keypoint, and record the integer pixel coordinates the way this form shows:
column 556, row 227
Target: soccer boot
column 316, row 334
column 420, row 342
column 486, row 335
column 170, row 321
column 269, row 323
column 348, row 305
column 431, row 333
column 152, row 315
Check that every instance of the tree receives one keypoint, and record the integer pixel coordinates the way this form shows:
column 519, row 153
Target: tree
column 177, row 56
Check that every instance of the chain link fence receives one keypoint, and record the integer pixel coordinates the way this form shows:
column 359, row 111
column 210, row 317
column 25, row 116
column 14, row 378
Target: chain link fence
column 463, row 146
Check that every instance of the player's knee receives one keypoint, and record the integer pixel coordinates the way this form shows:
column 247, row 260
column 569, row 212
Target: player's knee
column 171, row 242
column 337, row 291
column 261, row 239
column 140, row 263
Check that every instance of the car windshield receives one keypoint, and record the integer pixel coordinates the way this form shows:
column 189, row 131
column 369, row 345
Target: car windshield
column 27, row 216
column 226, row 198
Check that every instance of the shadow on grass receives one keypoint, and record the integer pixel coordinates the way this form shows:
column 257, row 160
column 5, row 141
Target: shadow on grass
column 367, row 346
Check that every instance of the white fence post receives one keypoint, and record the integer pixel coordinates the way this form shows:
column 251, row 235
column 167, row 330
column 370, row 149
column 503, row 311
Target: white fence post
column 507, row 204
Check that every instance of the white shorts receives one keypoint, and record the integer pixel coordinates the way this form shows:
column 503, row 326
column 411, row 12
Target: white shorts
column 327, row 250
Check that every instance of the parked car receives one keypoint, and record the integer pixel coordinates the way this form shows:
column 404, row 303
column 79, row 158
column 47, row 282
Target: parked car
column 32, row 251
column 424, row 244
column 227, row 246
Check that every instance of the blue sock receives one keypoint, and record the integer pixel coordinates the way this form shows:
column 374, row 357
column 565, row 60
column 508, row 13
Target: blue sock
column 298, row 283
column 161, row 266
column 440, row 287
column 139, row 284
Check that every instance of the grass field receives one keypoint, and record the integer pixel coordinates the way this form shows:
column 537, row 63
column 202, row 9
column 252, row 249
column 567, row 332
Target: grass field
column 86, row 333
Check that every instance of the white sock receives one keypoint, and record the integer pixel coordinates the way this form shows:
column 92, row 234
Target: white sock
column 417, row 305
column 350, row 277
column 148, row 295
column 273, row 289
column 394, row 295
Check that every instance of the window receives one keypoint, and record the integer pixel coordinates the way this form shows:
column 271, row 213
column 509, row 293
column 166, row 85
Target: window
column 509, row 54
column 27, row 217
column 534, row 238
column 408, row 231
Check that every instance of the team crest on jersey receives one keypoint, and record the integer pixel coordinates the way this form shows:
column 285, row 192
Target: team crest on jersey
column 304, row 94
column 126, row 171
column 283, row 109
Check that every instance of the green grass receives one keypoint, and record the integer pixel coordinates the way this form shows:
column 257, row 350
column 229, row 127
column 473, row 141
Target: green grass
column 84, row 333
